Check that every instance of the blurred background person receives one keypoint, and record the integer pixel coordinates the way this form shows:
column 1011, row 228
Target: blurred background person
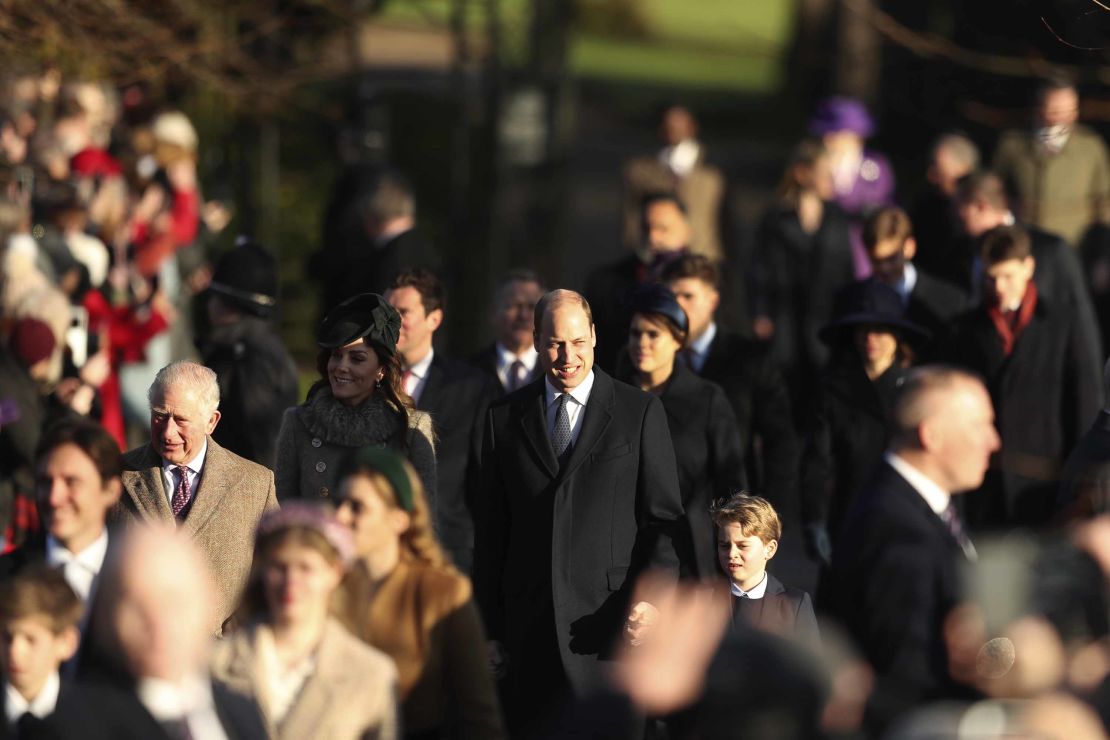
column 405, row 598
column 1085, row 480
column 703, row 429
column 455, row 395
column 802, row 257
column 309, row 676
column 359, row 399
column 850, row 426
column 511, row 359
column 155, row 611
column 1058, row 170
column 257, row 377
column 680, row 167
column 936, row 226
column 752, row 382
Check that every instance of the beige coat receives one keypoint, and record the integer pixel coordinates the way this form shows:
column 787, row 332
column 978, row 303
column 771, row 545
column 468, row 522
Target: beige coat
column 351, row 695
column 232, row 496
column 1064, row 193
column 702, row 192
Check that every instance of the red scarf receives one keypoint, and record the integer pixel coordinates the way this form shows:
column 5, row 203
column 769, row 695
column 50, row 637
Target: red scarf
column 1009, row 333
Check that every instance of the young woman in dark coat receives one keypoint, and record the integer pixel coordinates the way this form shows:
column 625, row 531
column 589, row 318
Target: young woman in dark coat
column 802, row 258
column 850, row 427
column 703, row 427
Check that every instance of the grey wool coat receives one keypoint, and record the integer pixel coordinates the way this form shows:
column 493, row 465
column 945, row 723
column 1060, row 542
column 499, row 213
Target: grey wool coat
column 316, row 435
column 231, row 497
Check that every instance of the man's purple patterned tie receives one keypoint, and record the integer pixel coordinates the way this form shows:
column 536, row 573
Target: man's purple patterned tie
column 182, row 493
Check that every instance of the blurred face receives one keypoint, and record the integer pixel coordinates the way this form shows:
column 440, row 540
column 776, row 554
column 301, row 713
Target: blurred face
column 961, row 437
column 946, row 170
column 179, row 423
column 73, row 499
column 698, row 299
column 1007, row 281
column 1059, row 108
column 513, row 316
column 651, row 346
column 743, row 558
column 353, row 372
column 32, row 651
column 888, row 259
column 417, row 326
column 876, row 345
column 666, row 227
column 978, row 218
column 297, row 581
column 816, row 178
column 374, row 523
column 566, row 345
column 677, row 126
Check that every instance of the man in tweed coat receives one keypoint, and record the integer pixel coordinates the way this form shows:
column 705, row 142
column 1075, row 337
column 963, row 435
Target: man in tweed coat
column 183, row 476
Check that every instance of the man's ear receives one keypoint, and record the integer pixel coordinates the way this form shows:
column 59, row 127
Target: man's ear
column 213, row 422
column 114, row 489
column 66, row 644
column 435, row 318
column 593, row 336
column 909, row 249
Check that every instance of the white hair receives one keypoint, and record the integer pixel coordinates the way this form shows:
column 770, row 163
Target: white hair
column 191, row 376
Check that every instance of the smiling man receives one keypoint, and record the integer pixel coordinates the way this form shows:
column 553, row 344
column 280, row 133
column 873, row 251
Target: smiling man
column 580, row 496
column 184, row 477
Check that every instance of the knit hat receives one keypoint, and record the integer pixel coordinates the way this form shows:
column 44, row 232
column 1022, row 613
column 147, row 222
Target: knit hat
column 247, row 276
column 32, row 341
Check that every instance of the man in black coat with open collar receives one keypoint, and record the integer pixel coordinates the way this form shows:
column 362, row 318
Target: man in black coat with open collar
column 1043, row 375
column 895, row 571
column 580, row 497
column 455, row 395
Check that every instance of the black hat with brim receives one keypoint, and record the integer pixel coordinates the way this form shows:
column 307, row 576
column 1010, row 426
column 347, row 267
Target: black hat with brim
column 366, row 316
column 656, row 299
column 871, row 303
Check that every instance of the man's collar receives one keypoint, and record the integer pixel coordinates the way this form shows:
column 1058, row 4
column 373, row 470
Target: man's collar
column 580, row 393
column 701, row 344
column 936, row 497
column 506, row 357
column 16, row 705
column 420, row 369
column 195, row 465
column 757, row 591
column 91, row 558
column 167, row 700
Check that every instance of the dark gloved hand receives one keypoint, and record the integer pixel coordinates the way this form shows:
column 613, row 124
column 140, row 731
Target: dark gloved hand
column 818, row 545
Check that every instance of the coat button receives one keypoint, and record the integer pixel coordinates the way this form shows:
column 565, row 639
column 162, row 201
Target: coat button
column 325, row 492
column 321, row 467
column 316, row 442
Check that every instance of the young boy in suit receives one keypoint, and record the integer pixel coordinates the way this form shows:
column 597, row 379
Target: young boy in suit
column 39, row 616
column 748, row 534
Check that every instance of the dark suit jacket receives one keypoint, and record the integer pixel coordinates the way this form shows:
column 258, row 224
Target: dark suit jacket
column 783, row 611
column 231, row 497
column 934, row 304
column 607, row 289
column 112, row 711
column 456, row 396
column 565, row 547
column 1045, row 395
column 754, row 386
column 894, row 580
column 1085, row 483
column 710, row 460
column 486, row 361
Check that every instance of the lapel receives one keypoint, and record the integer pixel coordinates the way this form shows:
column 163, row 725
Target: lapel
column 533, row 423
column 328, row 682
column 148, row 490
column 218, row 472
column 915, row 501
column 433, row 385
column 598, row 415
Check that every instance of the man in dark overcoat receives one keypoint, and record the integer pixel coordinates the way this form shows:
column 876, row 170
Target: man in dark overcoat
column 580, row 497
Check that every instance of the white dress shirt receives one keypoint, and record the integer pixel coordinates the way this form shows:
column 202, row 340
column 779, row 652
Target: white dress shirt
column 757, row 591
column 41, row 706
column 934, row 495
column 80, row 569
column 699, row 348
column 505, row 359
column 579, row 397
column 905, row 286
column 190, row 700
column 417, row 376
column 195, row 466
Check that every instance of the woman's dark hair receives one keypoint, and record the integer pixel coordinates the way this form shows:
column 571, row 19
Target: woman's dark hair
column 391, row 385
column 806, row 154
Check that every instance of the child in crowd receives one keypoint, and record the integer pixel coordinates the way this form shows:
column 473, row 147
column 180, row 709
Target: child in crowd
column 39, row 614
column 748, row 534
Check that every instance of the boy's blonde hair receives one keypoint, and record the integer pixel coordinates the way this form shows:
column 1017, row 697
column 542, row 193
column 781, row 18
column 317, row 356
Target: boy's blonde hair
column 754, row 514
column 40, row 593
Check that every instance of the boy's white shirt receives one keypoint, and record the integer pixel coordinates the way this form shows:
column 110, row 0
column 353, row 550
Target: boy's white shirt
column 755, row 593
column 41, row 706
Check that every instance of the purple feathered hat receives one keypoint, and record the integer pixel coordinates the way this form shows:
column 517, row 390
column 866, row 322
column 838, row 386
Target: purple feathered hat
column 841, row 114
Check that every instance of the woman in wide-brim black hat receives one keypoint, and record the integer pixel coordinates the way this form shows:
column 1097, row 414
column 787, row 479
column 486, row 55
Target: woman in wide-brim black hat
column 872, row 346
column 358, row 401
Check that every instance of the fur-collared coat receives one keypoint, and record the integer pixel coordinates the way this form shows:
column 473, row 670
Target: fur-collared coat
column 316, row 435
